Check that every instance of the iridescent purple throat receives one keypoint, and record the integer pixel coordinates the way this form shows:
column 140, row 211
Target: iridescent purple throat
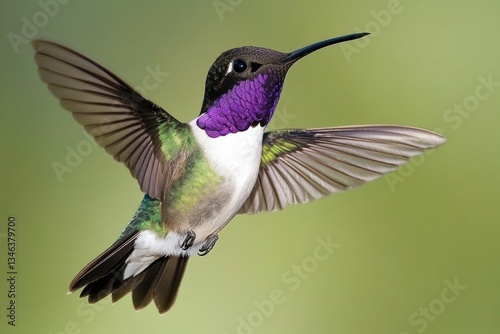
column 249, row 102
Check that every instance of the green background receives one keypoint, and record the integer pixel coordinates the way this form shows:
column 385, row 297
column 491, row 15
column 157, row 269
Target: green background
column 401, row 237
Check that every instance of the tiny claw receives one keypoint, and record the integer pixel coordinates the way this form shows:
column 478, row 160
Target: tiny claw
column 189, row 240
column 208, row 245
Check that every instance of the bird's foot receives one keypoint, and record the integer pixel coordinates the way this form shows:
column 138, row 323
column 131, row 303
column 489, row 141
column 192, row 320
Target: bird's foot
column 208, row 245
column 189, row 240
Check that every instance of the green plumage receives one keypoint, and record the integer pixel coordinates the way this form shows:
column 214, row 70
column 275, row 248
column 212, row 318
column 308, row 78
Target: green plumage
column 276, row 144
column 198, row 180
column 174, row 138
column 147, row 216
column 192, row 178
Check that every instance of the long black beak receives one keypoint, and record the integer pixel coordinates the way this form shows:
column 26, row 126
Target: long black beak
column 296, row 55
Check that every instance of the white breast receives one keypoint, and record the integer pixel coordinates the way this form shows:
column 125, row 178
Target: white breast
column 236, row 156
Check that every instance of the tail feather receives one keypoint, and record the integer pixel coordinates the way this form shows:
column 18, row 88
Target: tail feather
column 169, row 281
column 143, row 292
column 97, row 290
column 105, row 263
column 103, row 276
column 120, row 290
column 159, row 282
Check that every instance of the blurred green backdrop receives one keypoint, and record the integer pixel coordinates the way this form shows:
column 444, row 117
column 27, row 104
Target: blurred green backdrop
column 403, row 240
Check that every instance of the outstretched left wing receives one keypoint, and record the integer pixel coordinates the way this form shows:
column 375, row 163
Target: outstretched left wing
column 298, row 166
column 124, row 123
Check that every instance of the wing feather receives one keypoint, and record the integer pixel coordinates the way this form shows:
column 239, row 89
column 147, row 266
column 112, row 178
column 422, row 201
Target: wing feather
column 121, row 121
column 298, row 166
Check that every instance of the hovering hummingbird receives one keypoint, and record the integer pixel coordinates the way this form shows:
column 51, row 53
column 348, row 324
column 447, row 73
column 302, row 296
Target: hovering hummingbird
column 197, row 176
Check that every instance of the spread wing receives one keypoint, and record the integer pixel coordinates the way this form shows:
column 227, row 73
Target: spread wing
column 124, row 123
column 298, row 166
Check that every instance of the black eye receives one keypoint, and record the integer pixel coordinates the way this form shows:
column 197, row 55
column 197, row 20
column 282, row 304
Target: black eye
column 239, row 66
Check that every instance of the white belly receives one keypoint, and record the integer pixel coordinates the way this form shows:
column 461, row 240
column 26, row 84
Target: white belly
column 236, row 157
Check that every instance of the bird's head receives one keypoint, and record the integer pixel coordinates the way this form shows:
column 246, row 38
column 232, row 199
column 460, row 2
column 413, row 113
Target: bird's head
column 244, row 84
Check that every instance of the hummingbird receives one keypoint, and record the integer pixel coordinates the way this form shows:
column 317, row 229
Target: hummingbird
column 197, row 176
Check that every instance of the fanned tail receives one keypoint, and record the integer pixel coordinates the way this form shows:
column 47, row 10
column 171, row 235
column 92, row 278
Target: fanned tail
column 105, row 275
